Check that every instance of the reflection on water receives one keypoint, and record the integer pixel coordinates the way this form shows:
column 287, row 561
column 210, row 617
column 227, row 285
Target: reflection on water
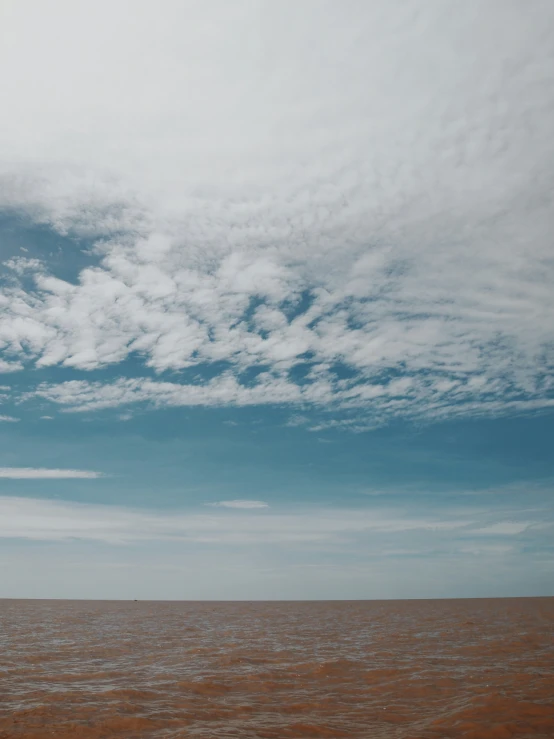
column 479, row 669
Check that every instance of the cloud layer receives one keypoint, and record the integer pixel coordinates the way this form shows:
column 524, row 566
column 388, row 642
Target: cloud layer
column 54, row 520
column 335, row 205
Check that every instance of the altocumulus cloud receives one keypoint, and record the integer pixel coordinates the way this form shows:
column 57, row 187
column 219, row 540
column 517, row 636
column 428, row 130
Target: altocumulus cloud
column 350, row 193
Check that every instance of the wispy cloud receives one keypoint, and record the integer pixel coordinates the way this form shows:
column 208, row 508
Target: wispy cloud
column 43, row 473
column 239, row 504
column 375, row 529
column 8, row 419
column 57, row 520
column 504, row 528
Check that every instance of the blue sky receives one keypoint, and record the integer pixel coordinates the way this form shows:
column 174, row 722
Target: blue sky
column 276, row 306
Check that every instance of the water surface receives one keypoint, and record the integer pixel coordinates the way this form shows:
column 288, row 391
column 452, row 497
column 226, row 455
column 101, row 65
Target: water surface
column 478, row 669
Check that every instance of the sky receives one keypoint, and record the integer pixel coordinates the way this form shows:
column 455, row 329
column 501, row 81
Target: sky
column 276, row 305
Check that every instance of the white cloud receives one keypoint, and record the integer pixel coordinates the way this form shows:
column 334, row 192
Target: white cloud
column 42, row 473
column 9, row 419
column 372, row 530
column 504, row 528
column 64, row 520
column 500, row 550
column 20, row 265
column 379, row 401
column 358, row 153
column 10, row 366
column 239, row 504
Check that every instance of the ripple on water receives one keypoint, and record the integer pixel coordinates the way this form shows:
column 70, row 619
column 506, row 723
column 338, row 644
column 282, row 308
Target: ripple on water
column 481, row 669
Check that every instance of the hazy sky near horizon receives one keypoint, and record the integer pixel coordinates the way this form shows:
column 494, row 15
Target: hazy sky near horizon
column 276, row 304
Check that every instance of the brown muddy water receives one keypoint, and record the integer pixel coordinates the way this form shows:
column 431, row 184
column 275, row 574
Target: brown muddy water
column 478, row 669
